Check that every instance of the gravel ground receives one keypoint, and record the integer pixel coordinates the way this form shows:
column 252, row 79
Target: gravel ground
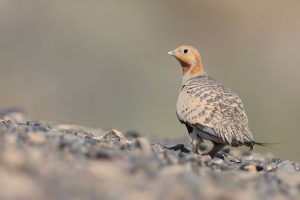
column 42, row 160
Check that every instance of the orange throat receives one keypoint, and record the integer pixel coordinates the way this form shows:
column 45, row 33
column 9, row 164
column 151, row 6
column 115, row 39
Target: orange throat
column 185, row 67
column 193, row 71
column 196, row 70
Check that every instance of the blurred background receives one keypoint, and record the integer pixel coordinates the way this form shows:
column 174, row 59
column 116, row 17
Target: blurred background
column 103, row 63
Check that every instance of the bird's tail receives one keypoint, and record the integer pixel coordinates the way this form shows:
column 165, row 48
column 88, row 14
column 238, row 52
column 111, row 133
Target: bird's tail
column 251, row 144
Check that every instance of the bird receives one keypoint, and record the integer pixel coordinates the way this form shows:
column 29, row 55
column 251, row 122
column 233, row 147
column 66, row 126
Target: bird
column 208, row 109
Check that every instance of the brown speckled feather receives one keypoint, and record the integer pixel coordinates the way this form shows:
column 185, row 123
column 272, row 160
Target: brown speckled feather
column 215, row 110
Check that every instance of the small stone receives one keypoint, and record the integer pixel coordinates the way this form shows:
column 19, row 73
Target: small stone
column 251, row 167
column 269, row 168
column 296, row 165
column 113, row 137
column 286, row 166
column 179, row 147
column 36, row 138
column 144, row 145
column 276, row 160
column 259, row 168
column 217, row 161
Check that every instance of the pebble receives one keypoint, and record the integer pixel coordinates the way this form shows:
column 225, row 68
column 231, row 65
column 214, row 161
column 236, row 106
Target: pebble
column 114, row 137
column 36, row 138
column 144, row 145
column 251, row 167
column 286, row 166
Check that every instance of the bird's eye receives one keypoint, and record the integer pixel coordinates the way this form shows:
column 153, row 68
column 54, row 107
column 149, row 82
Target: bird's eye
column 185, row 51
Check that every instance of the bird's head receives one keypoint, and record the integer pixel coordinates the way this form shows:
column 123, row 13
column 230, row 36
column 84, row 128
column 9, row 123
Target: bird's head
column 190, row 61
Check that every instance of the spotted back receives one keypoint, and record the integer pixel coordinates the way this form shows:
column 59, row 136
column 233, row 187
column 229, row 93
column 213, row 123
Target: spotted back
column 205, row 102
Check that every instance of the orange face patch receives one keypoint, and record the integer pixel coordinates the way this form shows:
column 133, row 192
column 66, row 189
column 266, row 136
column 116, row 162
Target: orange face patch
column 188, row 58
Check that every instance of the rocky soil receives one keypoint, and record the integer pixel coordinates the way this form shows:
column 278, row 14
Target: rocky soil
column 41, row 160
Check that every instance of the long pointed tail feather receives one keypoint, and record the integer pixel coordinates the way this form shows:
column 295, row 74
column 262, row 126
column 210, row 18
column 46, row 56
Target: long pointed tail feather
column 264, row 144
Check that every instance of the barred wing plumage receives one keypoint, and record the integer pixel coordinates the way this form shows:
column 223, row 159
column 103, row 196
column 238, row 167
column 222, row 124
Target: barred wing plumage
column 208, row 105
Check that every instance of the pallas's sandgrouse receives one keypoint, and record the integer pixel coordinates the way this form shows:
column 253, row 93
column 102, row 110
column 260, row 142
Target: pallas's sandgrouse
column 209, row 110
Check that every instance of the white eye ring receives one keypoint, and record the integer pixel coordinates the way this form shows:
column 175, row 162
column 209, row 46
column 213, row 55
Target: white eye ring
column 185, row 51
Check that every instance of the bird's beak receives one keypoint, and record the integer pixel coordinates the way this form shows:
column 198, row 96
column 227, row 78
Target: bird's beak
column 172, row 53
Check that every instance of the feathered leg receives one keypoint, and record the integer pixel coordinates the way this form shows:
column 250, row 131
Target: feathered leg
column 196, row 141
